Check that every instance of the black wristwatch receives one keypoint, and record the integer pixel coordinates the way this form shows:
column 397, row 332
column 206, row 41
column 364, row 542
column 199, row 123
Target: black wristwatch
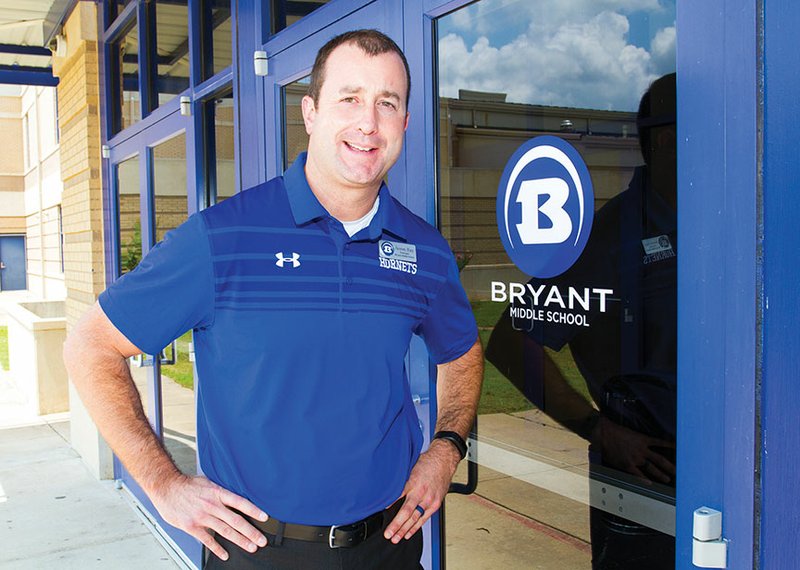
column 455, row 439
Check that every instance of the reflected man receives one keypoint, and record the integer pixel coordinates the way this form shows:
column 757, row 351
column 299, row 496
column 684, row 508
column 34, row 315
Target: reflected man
column 627, row 356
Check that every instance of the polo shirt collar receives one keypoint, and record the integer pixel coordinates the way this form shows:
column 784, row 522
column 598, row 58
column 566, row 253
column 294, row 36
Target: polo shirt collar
column 306, row 208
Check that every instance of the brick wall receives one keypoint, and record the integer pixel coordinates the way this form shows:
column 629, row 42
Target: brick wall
column 79, row 119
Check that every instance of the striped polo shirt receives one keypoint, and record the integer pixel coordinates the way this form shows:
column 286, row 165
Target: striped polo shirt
column 300, row 334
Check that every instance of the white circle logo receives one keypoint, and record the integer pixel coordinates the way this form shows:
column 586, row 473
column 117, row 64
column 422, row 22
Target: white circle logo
column 545, row 206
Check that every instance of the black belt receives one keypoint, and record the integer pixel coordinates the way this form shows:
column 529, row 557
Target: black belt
column 336, row 536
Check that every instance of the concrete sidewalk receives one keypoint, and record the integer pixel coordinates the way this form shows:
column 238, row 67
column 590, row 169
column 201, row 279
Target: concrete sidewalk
column 53, row 512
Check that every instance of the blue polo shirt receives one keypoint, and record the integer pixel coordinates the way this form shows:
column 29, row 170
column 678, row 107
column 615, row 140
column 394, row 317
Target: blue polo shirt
column 301, row 333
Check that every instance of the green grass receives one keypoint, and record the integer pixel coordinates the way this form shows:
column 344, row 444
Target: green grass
column 182, row 371
column 4, row 348
column 499, row 395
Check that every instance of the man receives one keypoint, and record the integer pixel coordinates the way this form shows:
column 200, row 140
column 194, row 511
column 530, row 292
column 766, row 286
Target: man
column 303, row 294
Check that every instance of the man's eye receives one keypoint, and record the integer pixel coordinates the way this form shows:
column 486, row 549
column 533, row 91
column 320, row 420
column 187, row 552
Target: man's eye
column 389, row 105
column 348, row 100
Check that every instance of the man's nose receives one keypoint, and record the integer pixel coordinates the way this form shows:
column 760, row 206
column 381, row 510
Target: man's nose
column 368, row 119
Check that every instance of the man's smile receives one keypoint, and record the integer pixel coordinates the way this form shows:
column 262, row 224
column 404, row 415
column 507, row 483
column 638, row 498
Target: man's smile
column 358, row 147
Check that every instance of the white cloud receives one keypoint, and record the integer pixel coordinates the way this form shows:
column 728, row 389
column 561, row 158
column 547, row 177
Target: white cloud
column 663, row 50
column 571, row 54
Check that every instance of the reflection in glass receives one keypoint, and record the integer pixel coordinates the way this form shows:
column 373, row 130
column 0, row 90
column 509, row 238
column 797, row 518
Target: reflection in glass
column 177, row 376
column 573, row 419
column 287, row 12
column 216, row 34
column 169, row 180
column 130, row 227
column 127, row 109
column 295, row 138
column 222, row 174
column 116, row 6
column 172, row 48
column 130, row 251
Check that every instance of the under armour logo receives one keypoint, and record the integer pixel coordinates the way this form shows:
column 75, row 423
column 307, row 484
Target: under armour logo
column 294, row 259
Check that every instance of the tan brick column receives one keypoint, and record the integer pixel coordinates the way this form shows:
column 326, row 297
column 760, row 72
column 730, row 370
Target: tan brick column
column 81, row 162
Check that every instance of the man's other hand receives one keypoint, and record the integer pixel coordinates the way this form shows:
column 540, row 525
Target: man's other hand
column 426, row 488
column 199, row 506
column 634, row 452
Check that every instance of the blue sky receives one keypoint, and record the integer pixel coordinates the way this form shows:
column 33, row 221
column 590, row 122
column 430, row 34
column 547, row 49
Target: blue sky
column 599, row 54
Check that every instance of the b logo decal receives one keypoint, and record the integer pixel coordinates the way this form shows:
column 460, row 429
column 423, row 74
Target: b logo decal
column 545, row 206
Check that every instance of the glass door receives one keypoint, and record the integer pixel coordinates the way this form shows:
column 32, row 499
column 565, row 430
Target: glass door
column 150, row 181
column 556, row 175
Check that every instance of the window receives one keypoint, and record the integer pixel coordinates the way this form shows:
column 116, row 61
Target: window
column 26, row 142
column 219, row 159
column 581, row 360
column 295, row 138
column 217, row 39
column 126, row 106
column 172, row 49
column 61, row 237
column 287, row 12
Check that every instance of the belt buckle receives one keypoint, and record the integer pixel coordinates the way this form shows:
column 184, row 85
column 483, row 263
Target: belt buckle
column 330, row 536
column 344, row 527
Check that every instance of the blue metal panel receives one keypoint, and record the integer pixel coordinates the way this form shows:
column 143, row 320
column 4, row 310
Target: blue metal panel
column 717, row 293
column 419, row 162
column 249, row 94
column 13, row 75
column 780, row 524
column 25, row 50
column 315, row 22
column 121, row 23
column 196, row 43
column 148, row 70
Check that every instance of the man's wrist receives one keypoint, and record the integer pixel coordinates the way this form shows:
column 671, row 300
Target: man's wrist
column 164, row 484
column 587, row 428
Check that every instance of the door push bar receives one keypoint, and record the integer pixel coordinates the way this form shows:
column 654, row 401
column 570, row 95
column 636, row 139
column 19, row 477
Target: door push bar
column 472, row 465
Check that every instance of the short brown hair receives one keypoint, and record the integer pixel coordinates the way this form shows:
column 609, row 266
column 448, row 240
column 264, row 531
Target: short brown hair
column 371, row 42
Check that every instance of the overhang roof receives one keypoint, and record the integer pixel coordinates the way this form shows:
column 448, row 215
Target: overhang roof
column 26, row 29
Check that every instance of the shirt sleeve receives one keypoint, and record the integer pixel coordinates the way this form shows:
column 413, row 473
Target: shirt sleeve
column 169, row 292
column 449, row 329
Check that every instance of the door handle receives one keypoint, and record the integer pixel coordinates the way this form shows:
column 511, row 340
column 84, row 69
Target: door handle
column 472, row 465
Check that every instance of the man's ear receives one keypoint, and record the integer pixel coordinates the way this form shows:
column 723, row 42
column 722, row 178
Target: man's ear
column 405, row 127
column 309, row 113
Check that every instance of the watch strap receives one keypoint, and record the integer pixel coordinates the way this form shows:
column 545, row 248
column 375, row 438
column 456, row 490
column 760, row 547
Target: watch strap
column 455, row 439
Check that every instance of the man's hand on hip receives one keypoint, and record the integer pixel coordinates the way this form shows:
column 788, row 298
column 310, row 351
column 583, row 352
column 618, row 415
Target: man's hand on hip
column 198, row 506
column 426, row 488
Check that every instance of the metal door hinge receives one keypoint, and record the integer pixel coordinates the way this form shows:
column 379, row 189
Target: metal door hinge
column 709, row 549
column 260, row 63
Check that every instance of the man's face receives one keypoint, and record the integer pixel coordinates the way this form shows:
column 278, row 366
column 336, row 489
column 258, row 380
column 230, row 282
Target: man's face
column 356, row 127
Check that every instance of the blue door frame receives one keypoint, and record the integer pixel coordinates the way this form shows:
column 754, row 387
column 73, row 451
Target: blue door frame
column 141, row 144
column 737, row 308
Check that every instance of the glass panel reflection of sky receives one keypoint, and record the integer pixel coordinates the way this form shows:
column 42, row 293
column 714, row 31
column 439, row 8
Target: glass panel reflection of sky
column 596, row 54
